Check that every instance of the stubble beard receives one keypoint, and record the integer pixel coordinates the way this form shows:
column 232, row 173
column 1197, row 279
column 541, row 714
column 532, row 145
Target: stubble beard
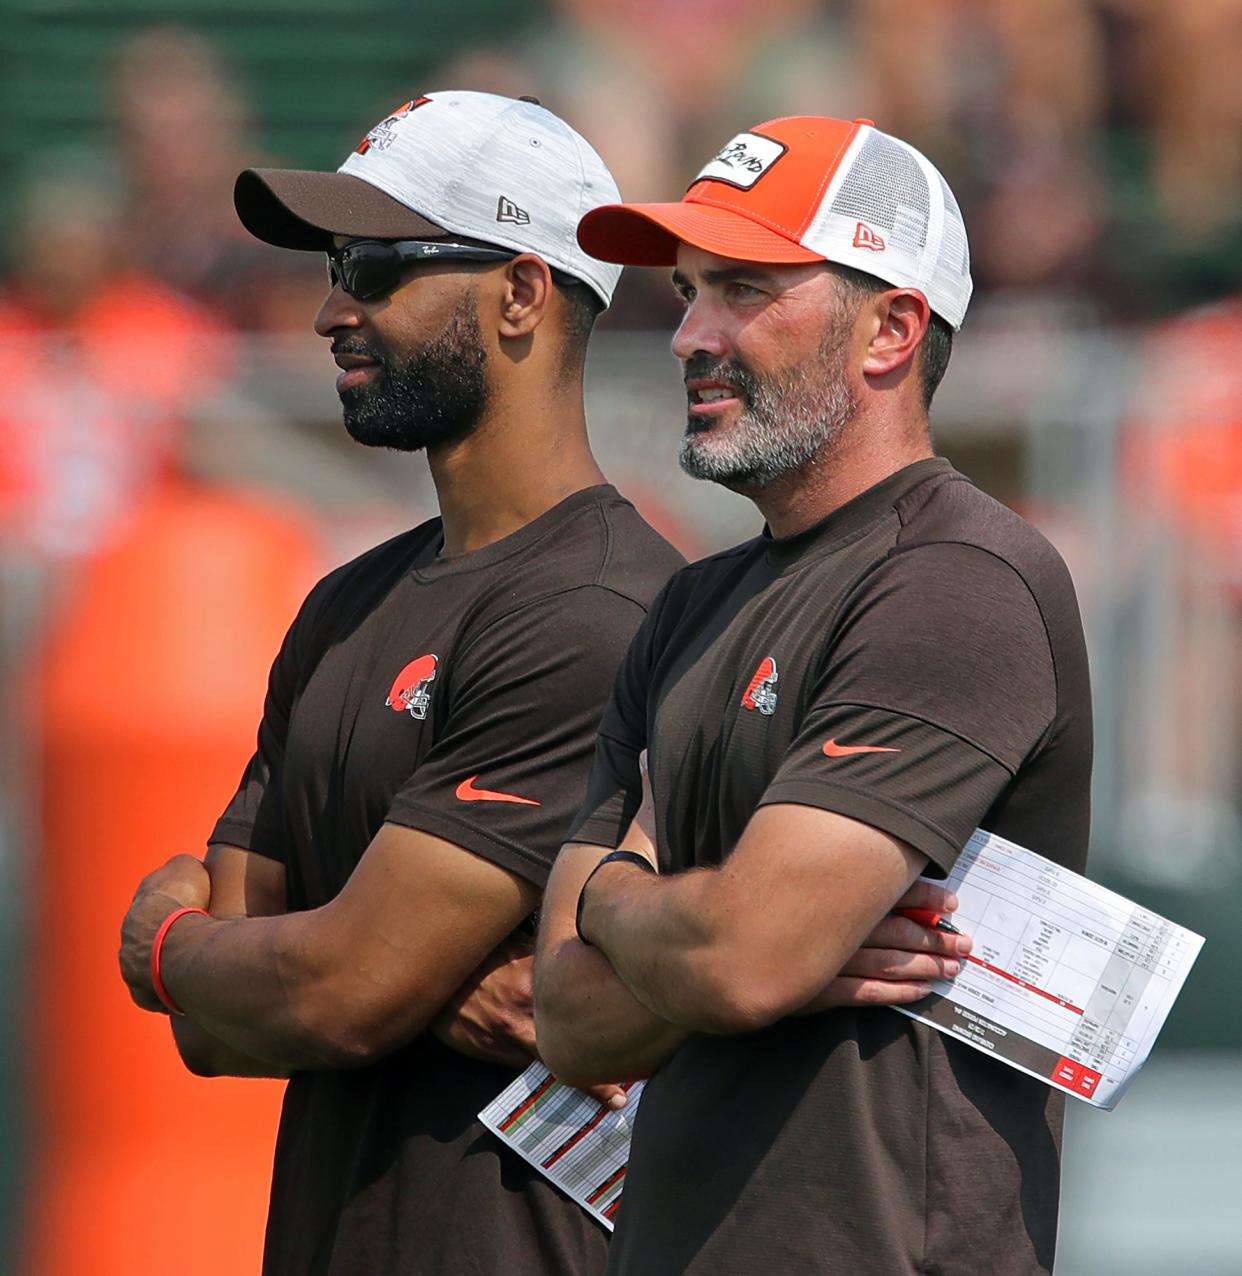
column 790, row 419
column 434, row 397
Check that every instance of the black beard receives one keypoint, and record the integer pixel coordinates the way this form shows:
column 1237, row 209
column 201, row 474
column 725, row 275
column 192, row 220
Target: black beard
column 433, row 398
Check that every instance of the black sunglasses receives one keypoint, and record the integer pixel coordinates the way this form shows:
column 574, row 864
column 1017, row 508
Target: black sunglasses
column 368, row 268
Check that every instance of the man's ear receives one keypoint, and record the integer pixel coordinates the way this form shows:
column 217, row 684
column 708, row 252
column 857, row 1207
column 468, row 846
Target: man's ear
column 898, row 321
column 526, row 296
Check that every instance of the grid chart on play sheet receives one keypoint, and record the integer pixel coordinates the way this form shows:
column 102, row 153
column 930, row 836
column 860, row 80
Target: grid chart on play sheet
column 579, row 1144
column 1066, row 979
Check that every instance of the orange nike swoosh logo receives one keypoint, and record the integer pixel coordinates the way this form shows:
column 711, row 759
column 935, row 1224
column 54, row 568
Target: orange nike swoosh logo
column 835, row 750
column 468, row 793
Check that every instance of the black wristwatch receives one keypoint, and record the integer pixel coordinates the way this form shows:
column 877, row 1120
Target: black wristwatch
column 613, row 857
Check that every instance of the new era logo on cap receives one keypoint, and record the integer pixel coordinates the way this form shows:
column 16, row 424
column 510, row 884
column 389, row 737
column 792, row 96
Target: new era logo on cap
column 508, row 211
column 865, row 237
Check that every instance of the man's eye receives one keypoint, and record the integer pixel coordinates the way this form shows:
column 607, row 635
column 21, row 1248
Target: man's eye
column 686, row 294
column 742, row 292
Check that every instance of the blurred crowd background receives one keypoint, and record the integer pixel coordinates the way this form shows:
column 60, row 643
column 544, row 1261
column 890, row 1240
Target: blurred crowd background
column 173, row 474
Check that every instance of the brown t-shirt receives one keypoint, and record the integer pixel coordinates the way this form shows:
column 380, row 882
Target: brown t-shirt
column 933, row 628
column 408, row 685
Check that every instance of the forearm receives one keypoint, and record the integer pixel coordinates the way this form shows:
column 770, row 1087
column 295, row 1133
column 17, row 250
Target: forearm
column 336, row 986
column 267, row 987
column 208, row 1056
column 739, row 946
column 590, row 1027
column 658, row 938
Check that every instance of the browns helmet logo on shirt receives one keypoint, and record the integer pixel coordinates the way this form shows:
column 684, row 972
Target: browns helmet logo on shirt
column 409, row 688
column 760, row 691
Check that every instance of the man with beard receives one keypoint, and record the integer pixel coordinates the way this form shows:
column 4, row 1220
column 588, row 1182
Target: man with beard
column 828, row 711
column 430, row 717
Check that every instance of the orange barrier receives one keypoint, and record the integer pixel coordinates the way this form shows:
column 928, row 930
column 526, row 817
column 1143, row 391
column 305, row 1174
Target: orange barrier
column 150, row 687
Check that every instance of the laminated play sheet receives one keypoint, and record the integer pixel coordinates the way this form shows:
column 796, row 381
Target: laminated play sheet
column 582, row 1146
column 1067, row 980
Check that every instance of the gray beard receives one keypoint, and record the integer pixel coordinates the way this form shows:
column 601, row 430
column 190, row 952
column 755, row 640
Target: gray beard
column 789, row 420
column 436, row 396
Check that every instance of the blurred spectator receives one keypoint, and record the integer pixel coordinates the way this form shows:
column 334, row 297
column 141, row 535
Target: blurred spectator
column 1011, row 93
column 1173, row 151
column 184, row 135
column 1182, row 468
column 98, row 363
column 1192, row 55
column 1185, row 454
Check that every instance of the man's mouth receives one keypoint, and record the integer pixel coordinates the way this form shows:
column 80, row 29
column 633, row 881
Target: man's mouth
column 356, row 369
column 710, row 397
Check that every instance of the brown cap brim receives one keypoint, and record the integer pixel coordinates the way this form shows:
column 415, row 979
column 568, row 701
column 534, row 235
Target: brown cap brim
column 298, row 208
column 648, row 235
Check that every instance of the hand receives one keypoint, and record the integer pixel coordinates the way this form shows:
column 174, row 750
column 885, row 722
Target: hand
column 492, row 1015
column 899, row 958
column 181, row 883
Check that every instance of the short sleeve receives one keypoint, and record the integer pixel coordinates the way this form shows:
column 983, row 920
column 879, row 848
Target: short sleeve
column 253, row 819
column 615, row 789
column 938, row 686
column 510, row 767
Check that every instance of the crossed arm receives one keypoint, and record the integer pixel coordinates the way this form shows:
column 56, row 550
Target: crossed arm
column 775, row 930
column 423, row 937
column 335, row 986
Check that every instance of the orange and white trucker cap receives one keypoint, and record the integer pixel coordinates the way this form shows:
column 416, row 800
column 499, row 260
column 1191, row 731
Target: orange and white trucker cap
column 502, row 170
column 807, row 188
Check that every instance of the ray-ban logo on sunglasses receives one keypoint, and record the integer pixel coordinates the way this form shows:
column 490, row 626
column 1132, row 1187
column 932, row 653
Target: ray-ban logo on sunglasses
column 367, row 268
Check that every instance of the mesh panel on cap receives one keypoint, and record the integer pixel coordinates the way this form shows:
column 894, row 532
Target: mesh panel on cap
column 954, row 251
column 885, row 188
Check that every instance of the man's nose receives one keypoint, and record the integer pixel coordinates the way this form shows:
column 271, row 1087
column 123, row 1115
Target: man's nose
column 698, row 333
column 339, row 310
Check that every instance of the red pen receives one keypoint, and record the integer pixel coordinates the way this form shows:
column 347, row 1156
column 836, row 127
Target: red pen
column 929, row 918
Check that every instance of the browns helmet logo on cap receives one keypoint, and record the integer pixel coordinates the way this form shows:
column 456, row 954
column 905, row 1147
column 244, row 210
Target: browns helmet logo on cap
column 760, row 691
column 383, row 135
column 409, row 688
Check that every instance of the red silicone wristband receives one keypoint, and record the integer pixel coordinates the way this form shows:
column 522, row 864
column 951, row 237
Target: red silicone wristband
column 157, row 947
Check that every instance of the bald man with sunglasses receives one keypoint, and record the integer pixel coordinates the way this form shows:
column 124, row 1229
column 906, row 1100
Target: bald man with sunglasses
column 431, row 715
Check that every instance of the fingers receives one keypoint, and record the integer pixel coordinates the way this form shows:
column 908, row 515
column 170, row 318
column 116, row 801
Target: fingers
column 848, row 991
column 923, row 894
column 900, row 932
column 611, row 1096
column 901, row 965
column 520, row 1030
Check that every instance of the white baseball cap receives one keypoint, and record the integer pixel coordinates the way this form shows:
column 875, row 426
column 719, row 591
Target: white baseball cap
column 808, row 188
column 501, row 170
